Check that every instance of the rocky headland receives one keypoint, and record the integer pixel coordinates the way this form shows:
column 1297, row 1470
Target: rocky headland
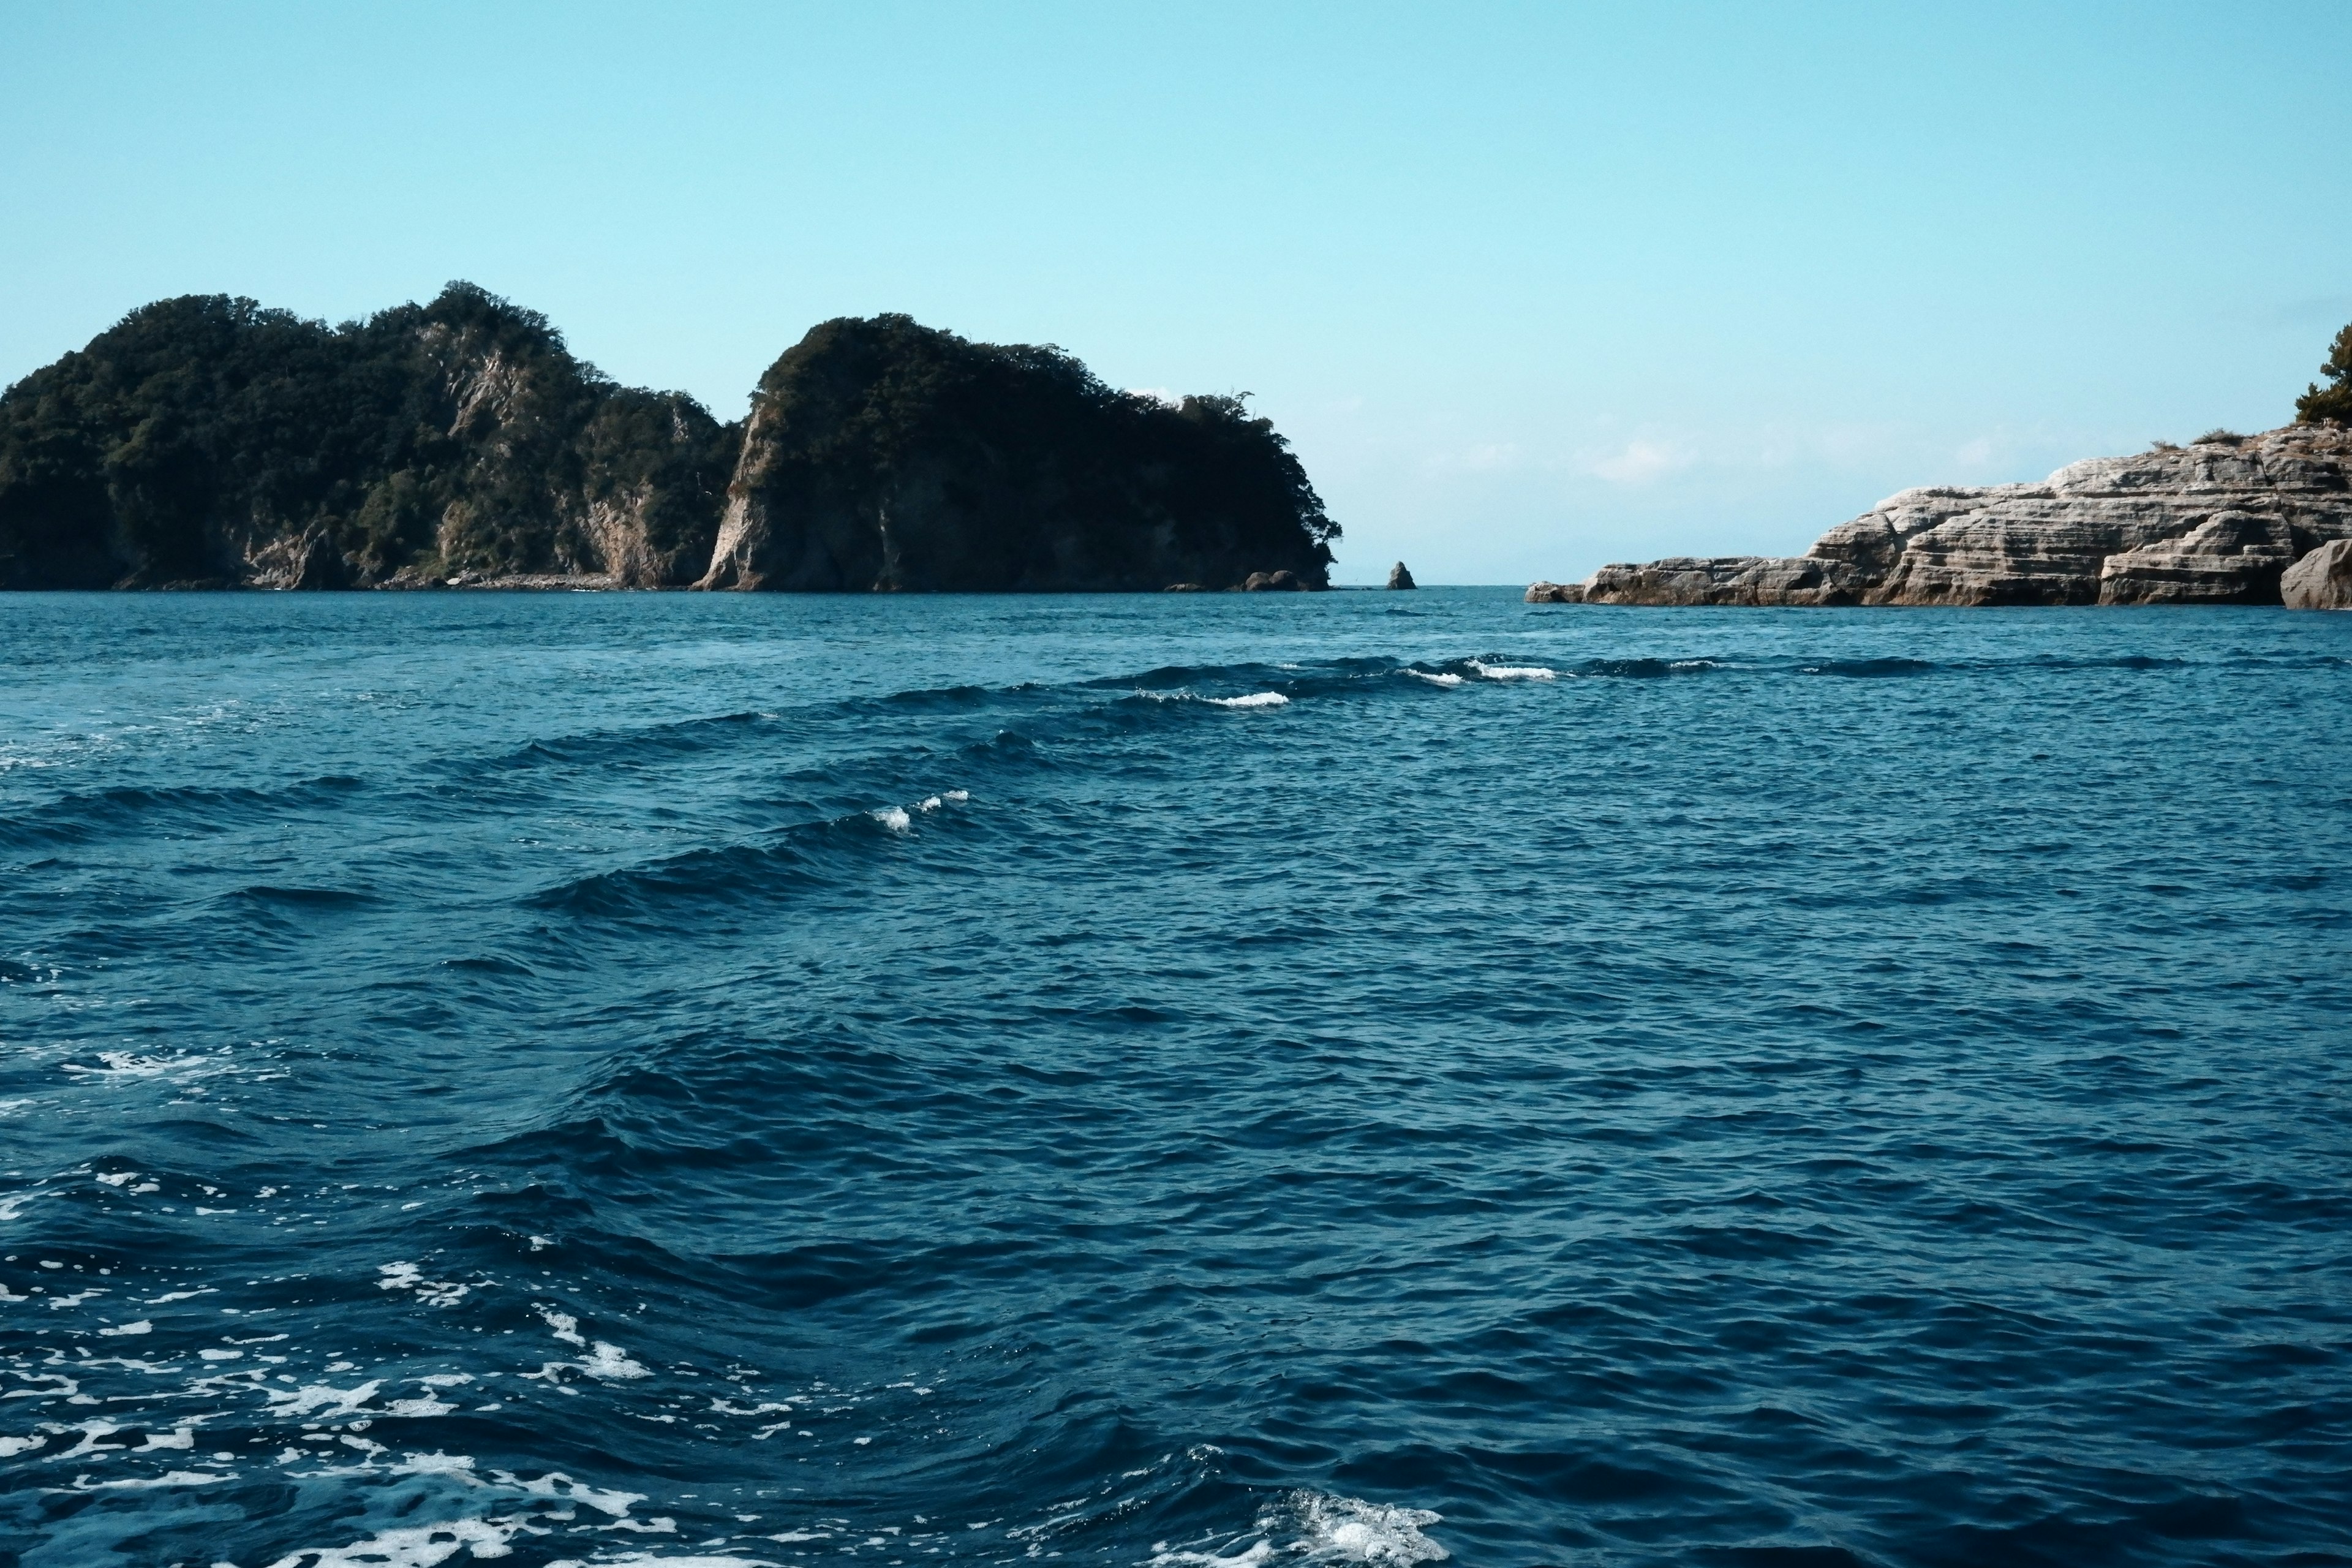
column 2226, row 520
column 207, row 442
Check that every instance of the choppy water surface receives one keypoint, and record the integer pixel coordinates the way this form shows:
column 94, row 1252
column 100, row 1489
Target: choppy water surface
column 1341, row 1079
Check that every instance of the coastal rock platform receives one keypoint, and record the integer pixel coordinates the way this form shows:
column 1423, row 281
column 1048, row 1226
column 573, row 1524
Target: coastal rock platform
column 2222, row 520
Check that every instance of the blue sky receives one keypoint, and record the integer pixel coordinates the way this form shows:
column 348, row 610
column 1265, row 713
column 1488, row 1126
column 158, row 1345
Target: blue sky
column 1529, row 286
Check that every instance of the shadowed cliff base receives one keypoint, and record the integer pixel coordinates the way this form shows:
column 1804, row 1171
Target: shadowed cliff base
column 205, row 442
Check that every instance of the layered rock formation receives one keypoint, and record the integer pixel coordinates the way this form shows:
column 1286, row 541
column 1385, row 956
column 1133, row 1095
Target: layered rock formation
column 2218, row 522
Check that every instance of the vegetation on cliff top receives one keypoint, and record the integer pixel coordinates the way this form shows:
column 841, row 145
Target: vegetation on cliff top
column 883, row 453
column 2333, row 401
column 208, row 441
column 201, row 433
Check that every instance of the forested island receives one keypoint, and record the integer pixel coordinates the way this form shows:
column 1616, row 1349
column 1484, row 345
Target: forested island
column 207, row 442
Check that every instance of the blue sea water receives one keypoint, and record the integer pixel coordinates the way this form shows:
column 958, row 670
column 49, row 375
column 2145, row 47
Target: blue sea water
column 1340, row 1079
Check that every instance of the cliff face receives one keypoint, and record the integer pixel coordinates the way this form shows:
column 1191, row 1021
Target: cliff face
column 205, row 442
column 2216, row 523
column 883, row 456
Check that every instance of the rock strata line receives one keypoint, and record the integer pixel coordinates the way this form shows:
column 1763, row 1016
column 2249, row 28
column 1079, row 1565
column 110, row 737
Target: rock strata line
column 2227, row 519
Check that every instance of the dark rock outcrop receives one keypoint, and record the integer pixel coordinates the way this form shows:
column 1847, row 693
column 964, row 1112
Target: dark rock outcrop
column 1399, row 578
column 2219, row 521
column 2321, row 580
column 884, row 455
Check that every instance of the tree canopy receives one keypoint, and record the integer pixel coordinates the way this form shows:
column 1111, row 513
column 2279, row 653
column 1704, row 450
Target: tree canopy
column 427, row 439
column 890, row 454
column 209, row 441
column 2333, row 401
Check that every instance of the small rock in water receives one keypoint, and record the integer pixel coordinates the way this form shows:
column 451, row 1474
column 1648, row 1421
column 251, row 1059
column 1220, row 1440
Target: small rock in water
column 1400, row 578
column 1272, row 583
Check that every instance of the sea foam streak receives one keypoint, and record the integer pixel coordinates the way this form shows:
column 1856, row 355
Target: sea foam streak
column 1322, row 1527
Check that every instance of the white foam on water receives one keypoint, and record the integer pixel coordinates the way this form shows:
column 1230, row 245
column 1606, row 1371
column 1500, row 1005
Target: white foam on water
column 1512, row 671
column 1440, row 677
column 556, row 1484
column 956, row 795
column 640, row 1557
column 141, row 1483
column 566, row 1326
column 928, row 803
column 412, row 1546
column 893, row 818
column 409, row 1277
column 1254, row 700
column 611, row 1361
column 318, row 1399
column 11, row 1447
column 1321, row 1528
column 144, row 1326
column 130, row 1064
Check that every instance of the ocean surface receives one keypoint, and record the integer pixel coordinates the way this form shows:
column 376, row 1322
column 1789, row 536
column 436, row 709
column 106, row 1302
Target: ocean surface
column 1205, row 1080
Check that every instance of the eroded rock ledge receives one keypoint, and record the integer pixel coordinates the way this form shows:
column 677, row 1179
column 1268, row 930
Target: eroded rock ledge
column 2218, row 523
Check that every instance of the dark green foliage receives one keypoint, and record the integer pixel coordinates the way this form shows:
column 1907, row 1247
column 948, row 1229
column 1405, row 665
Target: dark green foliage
column 207, row 441
column 2333, row 401
column 2218, row 437
column 203, row 439
column 883, row 454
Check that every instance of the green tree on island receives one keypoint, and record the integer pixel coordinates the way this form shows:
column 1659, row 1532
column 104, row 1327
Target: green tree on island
column 2333, row 401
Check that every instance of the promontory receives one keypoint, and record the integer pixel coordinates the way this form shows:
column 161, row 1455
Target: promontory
column 207, row 442
column 2225, row 519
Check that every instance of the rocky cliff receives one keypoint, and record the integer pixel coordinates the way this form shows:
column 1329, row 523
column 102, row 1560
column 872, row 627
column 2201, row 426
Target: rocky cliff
column 207, row 442
column 2219, row 521
column 884, row 455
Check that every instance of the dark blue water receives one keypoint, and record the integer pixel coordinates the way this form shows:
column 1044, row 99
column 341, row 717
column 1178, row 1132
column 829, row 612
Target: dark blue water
column 1273, row 1079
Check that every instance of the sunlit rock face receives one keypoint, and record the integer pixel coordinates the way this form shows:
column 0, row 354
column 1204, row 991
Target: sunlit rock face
column 2321, row 580
column 2221, row 521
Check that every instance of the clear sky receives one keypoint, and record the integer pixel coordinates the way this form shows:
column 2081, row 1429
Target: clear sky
column 1529, row 286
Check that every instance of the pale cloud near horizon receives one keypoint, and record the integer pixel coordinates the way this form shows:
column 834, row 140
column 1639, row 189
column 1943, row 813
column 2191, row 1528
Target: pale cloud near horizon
column 1641, row 462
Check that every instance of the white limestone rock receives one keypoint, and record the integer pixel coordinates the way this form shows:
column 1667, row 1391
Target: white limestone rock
column 2219, row 521
column 2321, row 580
